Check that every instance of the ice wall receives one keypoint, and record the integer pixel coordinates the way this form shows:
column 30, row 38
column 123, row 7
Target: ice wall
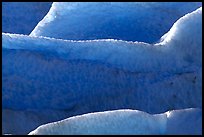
column 131, row 21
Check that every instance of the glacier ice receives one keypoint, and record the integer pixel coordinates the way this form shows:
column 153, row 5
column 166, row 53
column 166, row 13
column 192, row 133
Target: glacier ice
column 22, row 17
column 126, row 122
column 186, row 121
column 44, row 68
column 108, row 122
column 78, row 77
column 131, row 21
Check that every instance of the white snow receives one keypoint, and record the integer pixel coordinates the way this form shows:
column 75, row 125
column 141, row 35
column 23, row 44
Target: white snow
column 132, row 21
column 187, row 121
column 109, row 122
column 191, row 37
column 126, row 122
column 110, row 67
column 78, row 77
column 123, row 55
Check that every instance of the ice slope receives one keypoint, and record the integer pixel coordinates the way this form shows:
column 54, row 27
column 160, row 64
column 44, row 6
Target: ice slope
column 187, row 121
column 78, row 77
column 108, row 122
column 41, row 73
column 118, row 122
column 156, row 97
column 22, row 17
column 131, row 21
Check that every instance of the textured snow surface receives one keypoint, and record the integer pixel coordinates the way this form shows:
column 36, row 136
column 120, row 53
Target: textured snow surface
column 22, row 17
column 44, row 73
column 132, row 21
column 188, row 122
column 47, row 79
column 35, row 70
column 127, row 122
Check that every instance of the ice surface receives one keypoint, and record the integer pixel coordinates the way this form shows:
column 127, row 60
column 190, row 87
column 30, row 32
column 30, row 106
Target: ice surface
column 132, row 21
column 41, row 73
column 188, row 122
column 180, row 31
column 126, row 122
column 22, row 17
column 109, row 122
column 80, row 77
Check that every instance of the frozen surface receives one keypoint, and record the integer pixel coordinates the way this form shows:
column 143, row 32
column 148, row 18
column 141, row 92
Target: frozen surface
column 132, row 21
column 187, row 121
column 41, row 73
column 22, row 17
column 109, row 122
column 78, row 77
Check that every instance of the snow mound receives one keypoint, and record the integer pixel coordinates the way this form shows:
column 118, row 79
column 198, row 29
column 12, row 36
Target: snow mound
column 126, row 122
column 22, row 17
column 97, row 75
column 187, row 121
column 179, row 52
column 131, row 21
column 189, row 30
column 109, row 122
column 110, row 67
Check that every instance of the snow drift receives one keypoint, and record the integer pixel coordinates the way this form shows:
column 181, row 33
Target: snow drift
column 36, row 70
column 126, row 122
column 22, row 17
column 131, row 21
column 80, row 77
